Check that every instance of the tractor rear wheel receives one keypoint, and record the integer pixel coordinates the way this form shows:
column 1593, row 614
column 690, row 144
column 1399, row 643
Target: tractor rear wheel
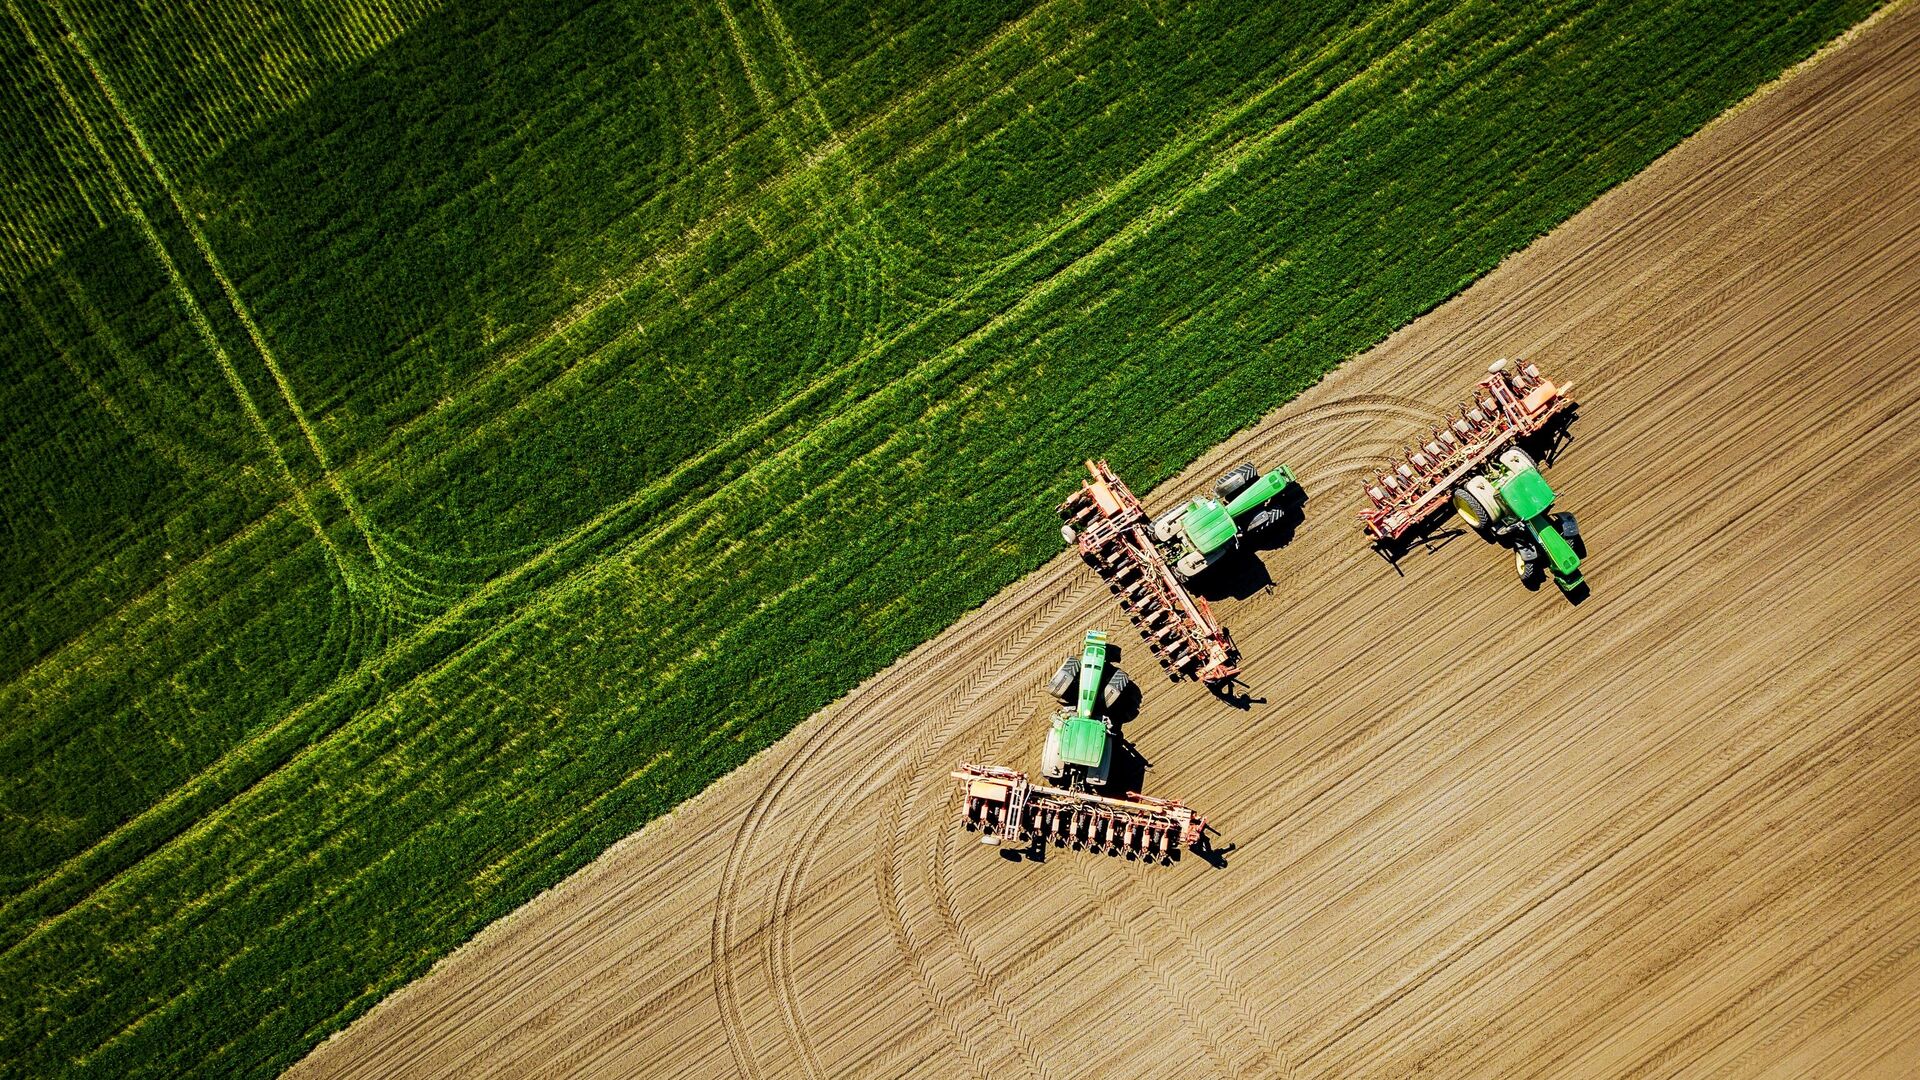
column 1476, row 508
column 1062, row 684
column 1236, row 481
column 1117, row 683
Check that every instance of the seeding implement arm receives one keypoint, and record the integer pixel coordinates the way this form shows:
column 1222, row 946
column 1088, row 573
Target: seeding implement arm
column 1511, row 403
column 1002, row 803
column 1109, row 527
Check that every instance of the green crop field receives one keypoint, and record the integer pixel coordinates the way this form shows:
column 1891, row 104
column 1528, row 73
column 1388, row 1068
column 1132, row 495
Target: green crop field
column 440, row 439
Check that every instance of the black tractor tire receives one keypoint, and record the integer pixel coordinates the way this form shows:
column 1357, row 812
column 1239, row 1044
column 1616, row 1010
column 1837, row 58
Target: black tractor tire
column 1526, row 562
column 1474, row 508
column 1116, row 688
column 1263, row 521
column 1570, row 532
column 1064, row 681
column 1235, row 482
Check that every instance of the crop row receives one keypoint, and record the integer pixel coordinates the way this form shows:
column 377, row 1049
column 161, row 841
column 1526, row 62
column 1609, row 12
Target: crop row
column 623, row 406
column 200, row 75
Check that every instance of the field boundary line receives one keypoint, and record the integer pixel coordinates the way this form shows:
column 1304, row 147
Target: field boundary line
column 755, row 433
column 854, row 414
column 851, row 416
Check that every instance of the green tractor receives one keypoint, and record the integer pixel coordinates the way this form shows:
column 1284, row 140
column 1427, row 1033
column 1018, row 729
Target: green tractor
column 1000, row 803
column 1511, row 501
column 1079, row 750
column 1196, row 534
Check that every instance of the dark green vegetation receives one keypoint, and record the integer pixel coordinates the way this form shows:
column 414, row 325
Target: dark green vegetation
column 416, row 482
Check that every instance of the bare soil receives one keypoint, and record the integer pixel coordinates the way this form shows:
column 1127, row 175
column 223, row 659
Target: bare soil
column 1467, row 829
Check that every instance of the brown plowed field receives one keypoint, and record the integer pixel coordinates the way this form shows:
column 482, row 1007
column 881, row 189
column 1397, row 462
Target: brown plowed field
column 1475, row 830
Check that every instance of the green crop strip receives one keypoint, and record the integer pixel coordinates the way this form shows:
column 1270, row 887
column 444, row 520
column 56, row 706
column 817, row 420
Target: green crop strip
column 440, row 439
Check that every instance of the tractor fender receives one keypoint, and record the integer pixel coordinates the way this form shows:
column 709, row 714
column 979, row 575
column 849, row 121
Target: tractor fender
column 1167, row 525
column 1192, row 563
column 1517, row 460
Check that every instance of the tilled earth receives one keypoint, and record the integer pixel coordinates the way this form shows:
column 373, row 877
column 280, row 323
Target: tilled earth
column 1467, row 829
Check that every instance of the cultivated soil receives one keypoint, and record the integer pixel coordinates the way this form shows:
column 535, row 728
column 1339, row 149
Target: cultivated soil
column 1468, row 829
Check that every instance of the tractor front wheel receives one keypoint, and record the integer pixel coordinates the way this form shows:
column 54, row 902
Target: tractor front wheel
column 1526, row 562
column 1061, row 686
column 1570, row 532
column 1236, row 481
column 1117, row 683
column 1263, row 521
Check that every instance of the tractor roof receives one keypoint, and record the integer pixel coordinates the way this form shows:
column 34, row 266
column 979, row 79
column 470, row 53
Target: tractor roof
column 1083, row 741
column 1208, row 525
column 1526, row 493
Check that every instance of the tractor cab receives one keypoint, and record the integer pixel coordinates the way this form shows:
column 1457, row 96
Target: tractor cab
column 1208, row 532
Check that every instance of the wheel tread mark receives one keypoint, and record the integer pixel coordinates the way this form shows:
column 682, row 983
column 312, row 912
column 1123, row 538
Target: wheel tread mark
column 1176, row 993
column 1269, row 1058
column 778, row 951
column 944, row 907
column 1603, row 845
column 905, row 797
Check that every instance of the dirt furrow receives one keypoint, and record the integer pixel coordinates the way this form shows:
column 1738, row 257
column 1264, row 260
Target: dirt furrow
column 1467, row 828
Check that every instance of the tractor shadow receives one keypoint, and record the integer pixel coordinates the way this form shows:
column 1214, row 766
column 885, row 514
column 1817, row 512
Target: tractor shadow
column 1235, row 694
column 1128, row 770
column 1244, row 573
column 1574, row 596
column 1429, row 538
column 1546, row 444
